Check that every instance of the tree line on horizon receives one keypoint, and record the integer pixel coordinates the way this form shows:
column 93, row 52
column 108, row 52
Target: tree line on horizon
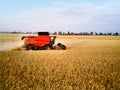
column 68, row 33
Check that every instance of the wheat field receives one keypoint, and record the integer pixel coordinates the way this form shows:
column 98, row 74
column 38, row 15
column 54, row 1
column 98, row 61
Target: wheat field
column 89, row 63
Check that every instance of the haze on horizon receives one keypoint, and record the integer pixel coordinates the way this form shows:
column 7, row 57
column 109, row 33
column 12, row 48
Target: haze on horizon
column 60, row 15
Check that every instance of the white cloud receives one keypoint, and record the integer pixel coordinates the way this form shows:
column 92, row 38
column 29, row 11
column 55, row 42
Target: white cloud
column 71, row 17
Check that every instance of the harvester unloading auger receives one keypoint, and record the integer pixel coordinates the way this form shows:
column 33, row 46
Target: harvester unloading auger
column 42, row 42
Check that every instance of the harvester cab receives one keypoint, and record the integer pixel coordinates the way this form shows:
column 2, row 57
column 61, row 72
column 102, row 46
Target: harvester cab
column 52, row 39
column 41, row 42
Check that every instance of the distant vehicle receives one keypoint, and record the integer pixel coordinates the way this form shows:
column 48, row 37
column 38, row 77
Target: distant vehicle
column 41, row 42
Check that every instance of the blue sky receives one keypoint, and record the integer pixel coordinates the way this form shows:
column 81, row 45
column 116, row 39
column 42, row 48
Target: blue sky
column 60, row 15
column 12, row 7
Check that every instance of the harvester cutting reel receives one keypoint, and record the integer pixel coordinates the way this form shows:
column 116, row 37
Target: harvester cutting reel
column 59, row 46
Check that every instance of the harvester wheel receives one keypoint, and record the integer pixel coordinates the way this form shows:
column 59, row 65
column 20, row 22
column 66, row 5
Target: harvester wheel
column 29, row 47
column 47, row 47
column 35, row 48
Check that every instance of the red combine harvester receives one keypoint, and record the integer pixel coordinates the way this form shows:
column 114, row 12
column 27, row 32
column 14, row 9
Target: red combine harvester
column 42, row 42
